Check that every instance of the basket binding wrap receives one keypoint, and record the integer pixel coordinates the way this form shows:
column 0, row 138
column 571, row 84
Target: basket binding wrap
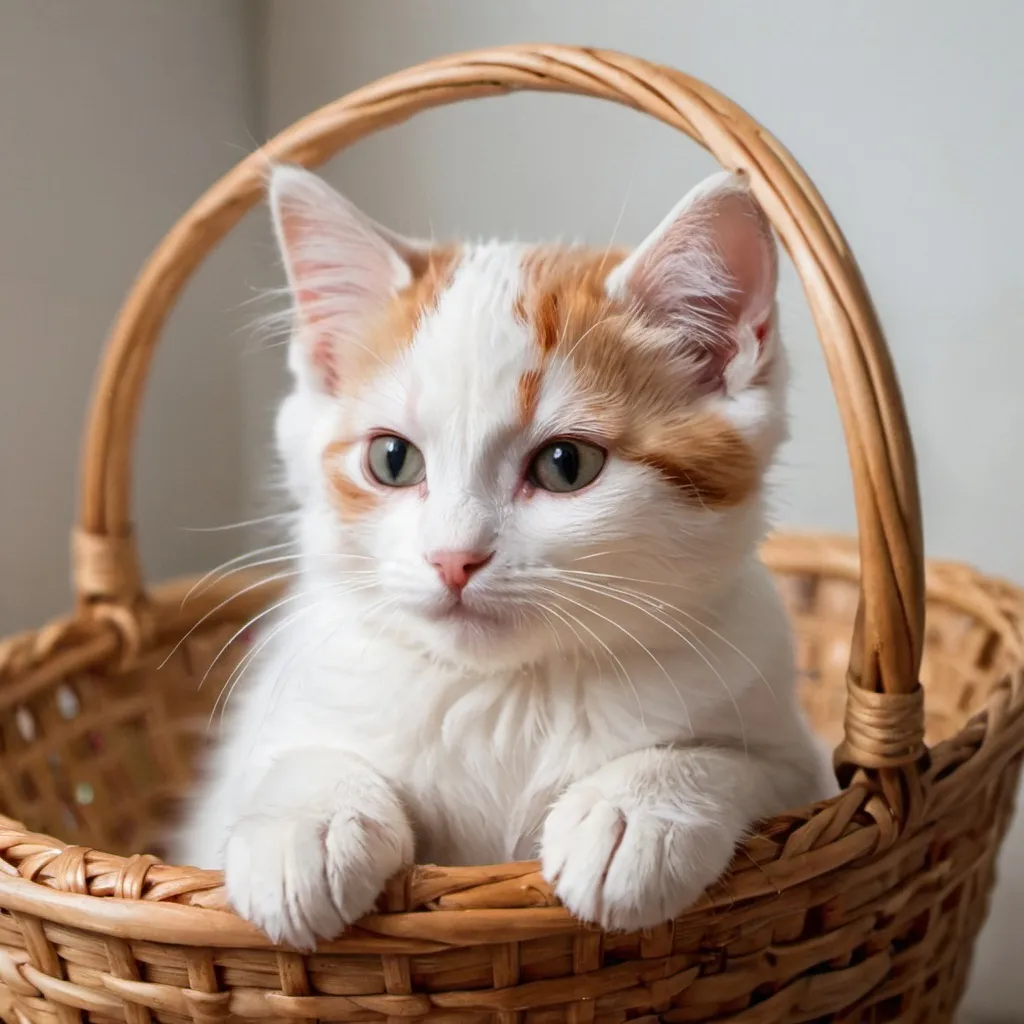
column 864, row 908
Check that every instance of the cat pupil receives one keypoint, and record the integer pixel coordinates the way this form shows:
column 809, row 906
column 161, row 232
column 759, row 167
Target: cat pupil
column 395, row 456
column 566, row 458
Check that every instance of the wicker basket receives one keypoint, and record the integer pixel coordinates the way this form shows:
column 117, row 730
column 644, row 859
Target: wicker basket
column 862, row 909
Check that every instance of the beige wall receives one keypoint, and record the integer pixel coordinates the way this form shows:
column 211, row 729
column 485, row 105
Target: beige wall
column 904, row 114
column 114, row 116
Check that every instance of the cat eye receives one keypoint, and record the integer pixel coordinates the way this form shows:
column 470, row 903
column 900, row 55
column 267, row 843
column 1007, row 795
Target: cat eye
column 565, row 466
column 395, row 462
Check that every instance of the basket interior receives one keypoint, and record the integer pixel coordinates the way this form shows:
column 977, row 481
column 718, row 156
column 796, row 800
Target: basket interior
column 102, row 758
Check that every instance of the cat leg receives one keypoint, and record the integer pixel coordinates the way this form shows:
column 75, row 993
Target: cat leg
column 318, row 839
column 637, row 842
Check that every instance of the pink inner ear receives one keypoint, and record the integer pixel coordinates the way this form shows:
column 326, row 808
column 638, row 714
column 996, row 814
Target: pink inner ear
column 310, row 301
column 324, row 362
column 341, row 270
column 312, row 277
column 715, row 260
column 742, row 237
column 708, row 275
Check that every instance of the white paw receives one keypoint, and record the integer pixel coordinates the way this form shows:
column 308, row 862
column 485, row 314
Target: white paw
column 300, row 876
column 627, row 864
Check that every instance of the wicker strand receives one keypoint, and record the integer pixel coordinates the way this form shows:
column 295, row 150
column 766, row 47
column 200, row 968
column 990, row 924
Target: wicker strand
column 883, row 730
column 105, row 567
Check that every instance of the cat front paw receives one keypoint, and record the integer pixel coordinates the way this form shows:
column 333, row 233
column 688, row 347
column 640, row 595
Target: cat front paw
column 625, row 864
column 302, row 876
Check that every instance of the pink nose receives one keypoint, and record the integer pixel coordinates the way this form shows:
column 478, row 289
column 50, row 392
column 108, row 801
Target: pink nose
column 456, row 567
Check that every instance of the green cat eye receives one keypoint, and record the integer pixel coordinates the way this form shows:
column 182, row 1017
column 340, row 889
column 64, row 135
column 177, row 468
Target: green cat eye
column 395, row 462
column 564, row 466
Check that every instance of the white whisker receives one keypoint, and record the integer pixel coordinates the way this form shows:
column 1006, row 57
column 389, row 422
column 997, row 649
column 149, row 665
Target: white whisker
column 660, row 604
column 687, row 640
column 627, row 579
column 198, row 585
column 588, row 332
column 213, row 611
column 240, row 525
column 301, row 595
column 283, row 669
column 543, row 615
column 618, row 222
column 581, row 644
column 618, row 661
column 239, row 670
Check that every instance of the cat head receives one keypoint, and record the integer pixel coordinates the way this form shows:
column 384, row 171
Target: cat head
column 510, row 447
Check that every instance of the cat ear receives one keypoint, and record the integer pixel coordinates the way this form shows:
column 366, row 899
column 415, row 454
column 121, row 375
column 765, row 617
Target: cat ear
column 706, row 279
column 342, row 269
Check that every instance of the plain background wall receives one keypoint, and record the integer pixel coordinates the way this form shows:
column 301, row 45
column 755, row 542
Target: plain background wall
column 114, row 117
column 115, row 114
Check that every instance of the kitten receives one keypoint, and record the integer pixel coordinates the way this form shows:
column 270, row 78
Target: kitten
column 529, row 619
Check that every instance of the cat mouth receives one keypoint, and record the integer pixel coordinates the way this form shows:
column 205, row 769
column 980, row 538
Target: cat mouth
column 460, row 612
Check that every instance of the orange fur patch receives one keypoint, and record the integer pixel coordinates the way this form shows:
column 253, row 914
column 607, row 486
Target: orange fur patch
column 351, row 501
column 701, row 454
column 430, row 278
column 529, row 395
column 395, row 329
column 560, row 286
column 630, row 398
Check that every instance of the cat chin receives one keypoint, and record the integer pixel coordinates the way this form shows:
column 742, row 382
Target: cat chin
column 468, row 638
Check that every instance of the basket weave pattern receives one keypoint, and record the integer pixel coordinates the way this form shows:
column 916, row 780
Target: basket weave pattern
column 863, row 908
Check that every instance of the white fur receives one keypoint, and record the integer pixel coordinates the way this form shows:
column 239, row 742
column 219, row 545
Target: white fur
column 627, row 715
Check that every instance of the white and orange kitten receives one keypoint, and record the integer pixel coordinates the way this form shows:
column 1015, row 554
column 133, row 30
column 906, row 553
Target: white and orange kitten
column 530, row 619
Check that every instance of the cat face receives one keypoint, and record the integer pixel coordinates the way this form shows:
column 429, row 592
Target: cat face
column 509, row 448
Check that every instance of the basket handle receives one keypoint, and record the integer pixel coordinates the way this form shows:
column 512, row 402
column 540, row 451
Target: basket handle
column 884, row 719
